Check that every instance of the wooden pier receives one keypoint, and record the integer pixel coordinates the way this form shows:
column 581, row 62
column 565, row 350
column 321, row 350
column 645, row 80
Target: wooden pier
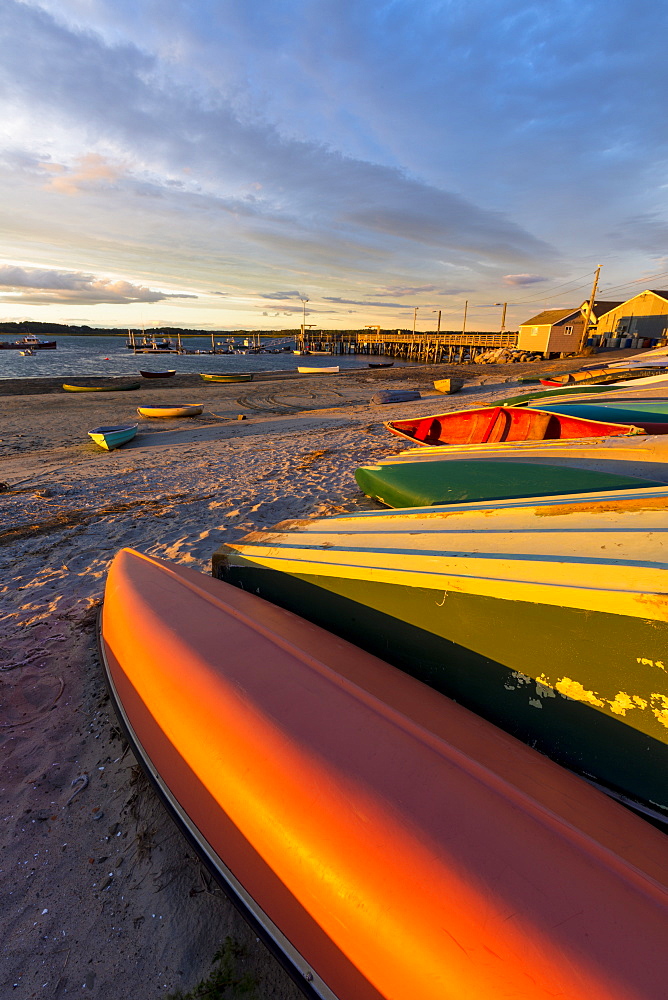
column 426, row 348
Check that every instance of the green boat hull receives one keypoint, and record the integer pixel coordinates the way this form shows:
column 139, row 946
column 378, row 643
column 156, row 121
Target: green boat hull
column 640, row 413
column 427, row 484
column 506, row 660
column 568, row 390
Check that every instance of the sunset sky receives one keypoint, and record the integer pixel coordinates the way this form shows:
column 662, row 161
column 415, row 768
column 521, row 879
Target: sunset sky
column 211, row 163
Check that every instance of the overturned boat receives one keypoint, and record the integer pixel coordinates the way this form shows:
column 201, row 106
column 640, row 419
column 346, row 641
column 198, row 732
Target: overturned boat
column 547, row 616
column 385, row 842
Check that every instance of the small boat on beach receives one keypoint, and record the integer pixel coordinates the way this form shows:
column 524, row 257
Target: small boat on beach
column 167, row 374
column 362, row 821
column 332, row 370
column 555, row 392
column 639, row 455
column 489, row 424
column 649, row 414
column 380, row 364
column 113, row 436
column 464, row 480
column 234, row 377
column 128, row 386
column 596, row 376
column 549, row 617
column 171, row 410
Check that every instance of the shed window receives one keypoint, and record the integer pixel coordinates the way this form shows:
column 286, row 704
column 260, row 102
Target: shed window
column 534, row 331
column 568, row 330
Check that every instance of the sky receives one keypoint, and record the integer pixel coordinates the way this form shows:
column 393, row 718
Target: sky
column 253, row 164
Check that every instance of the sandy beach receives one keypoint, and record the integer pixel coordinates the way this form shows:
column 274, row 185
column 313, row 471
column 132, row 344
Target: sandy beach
column 101, row 895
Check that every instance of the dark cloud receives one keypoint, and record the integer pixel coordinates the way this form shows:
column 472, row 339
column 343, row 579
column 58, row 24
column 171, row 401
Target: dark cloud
column 523, row 279
column 43, row 287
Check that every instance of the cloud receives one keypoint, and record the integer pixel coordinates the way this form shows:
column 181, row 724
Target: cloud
column 282, row 295
column 92, row 171
column 522, row 279
column 44, row 287
column 371, row 304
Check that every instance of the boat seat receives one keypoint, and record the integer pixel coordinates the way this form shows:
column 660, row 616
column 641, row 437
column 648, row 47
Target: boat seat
column 433, row 435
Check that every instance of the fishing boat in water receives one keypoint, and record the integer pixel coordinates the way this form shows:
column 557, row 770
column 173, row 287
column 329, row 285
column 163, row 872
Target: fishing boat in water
column 489, row 424
column 31, row 342
column 385, row 842
column 112, row 437
column 125, row 387
column 549, row 616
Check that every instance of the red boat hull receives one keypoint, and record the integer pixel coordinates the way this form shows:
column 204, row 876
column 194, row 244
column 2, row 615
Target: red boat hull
column 491, row 424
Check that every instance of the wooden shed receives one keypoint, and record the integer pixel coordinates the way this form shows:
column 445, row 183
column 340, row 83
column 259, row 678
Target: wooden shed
column 553, row 331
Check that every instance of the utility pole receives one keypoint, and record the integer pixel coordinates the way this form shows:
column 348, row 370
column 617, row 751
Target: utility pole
column 590, row 306
column 503, row 317
column 438, row 327
column 415, row 309
column 466, row 305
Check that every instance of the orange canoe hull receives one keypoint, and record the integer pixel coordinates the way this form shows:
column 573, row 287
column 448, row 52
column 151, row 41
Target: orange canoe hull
column 389, row 843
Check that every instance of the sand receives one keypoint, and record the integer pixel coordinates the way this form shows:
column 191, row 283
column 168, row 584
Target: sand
column 101, row 895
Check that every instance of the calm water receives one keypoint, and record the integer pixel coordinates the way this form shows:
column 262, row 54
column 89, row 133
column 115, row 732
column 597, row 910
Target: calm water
column 109, row 356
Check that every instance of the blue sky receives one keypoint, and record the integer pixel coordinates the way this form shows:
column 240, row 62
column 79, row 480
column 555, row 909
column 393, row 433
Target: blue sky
column 212, row 163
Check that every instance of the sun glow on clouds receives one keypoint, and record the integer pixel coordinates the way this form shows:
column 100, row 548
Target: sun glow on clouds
column 365, row 153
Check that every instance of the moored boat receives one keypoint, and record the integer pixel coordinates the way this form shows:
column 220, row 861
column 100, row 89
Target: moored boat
column 233, row 377
column 489, row 424
column 127, row 386
column 307, row 773
column 331, row 370
column 111, row 437
column 171, row 410
column 380, row 364
column 31, row 342
column 547, row 616
column 166, row 374
column 461, row 480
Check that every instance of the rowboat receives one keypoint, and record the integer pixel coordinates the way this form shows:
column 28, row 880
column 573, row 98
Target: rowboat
column 101, row 388
column 597, row 375
column 547, row 616
column 449, row 386
column 651, row 416
column 642, row 455
column 380, row 364
column 332, row 370
column 237, row 377
column 172, row 410
column 396, row 396
column 168, row 374
column 460, row 480
column 490, row 424
column 113, row 437
column 384, row 841
column 556, row 392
